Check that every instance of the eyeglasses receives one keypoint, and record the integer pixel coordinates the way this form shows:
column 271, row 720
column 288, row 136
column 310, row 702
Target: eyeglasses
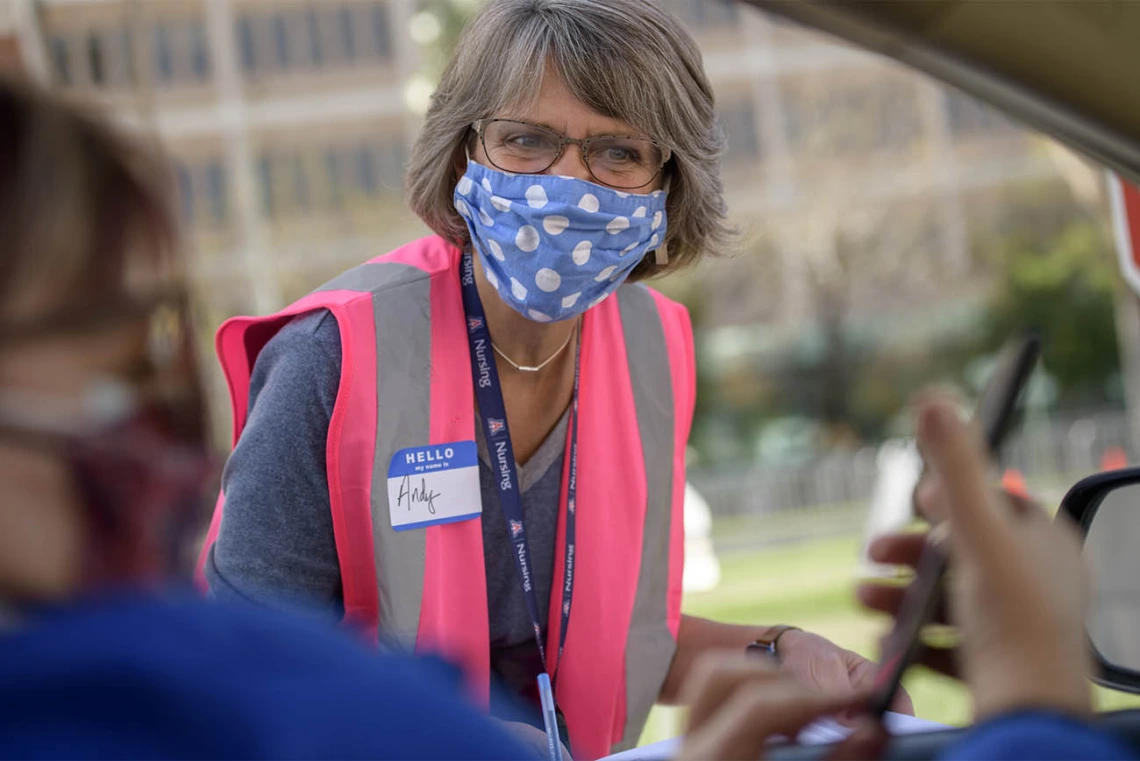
column 524, row 148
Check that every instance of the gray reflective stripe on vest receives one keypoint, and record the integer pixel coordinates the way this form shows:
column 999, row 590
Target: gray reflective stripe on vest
column 401, row 308
column 650, row 647
column 402, row 313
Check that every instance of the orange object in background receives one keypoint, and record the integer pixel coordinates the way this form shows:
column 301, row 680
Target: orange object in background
column 1113, row 458
column 1014, row 483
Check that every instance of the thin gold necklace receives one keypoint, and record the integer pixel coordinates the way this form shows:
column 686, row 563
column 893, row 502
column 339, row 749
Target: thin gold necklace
column 536, row 368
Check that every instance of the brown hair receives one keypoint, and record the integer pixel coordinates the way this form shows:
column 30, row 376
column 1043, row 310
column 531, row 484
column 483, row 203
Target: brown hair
column 625, row 59
column 85, row 213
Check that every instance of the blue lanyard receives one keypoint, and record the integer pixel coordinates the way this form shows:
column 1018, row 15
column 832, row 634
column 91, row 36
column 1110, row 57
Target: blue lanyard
column 489, row 394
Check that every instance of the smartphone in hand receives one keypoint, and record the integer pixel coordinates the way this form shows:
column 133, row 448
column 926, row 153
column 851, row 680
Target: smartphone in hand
column 995, row 414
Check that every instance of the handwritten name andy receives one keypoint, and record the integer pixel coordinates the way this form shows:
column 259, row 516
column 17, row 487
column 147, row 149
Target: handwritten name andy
column 420, row 495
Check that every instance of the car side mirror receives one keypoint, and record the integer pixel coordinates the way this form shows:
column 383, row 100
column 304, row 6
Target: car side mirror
column 1106, row 508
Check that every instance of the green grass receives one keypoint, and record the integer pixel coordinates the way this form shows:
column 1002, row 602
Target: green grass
column 811, row 584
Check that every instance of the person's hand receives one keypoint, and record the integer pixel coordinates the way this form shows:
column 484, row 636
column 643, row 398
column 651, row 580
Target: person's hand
column 532, row 738
column 737, row 706
column 1018, row 588
column 823, row 666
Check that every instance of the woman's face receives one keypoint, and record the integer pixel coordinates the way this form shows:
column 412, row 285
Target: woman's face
column 559, row 111
column 42, row 541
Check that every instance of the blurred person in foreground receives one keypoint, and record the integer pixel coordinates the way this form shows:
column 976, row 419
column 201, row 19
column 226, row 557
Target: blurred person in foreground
column 103, row 459
column 475, row 444
column 1018, row 594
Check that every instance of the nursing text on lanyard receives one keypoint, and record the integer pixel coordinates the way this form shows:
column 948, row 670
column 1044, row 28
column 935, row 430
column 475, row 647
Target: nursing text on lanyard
column 489, row 394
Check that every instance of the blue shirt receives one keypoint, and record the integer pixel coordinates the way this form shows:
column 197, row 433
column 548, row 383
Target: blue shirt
column 1037, row 736
column 133, row 676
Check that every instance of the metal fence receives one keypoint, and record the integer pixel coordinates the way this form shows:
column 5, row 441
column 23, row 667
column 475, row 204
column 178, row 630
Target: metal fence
column 830, row 494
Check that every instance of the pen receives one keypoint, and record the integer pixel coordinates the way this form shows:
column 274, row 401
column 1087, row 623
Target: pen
column 549, row 717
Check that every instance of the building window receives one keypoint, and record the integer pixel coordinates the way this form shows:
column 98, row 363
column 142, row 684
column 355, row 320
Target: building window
column 163, row 56
column 245, row 42
column 265, row 178
column 382, row 31
column 740, row 127
column 313, row 31
column 95, row 65
column 969, row 117
column 280, row 41
column 826, row 120
column 199, row 51
column 216, row 191
column 347, row 37
column 366, row 170
column 390, row 157
column 185, row 193
column 707, row 13
column 118, row 58
column 61, row 60
column 300, row 183
column 780, row 20
column 333, row 178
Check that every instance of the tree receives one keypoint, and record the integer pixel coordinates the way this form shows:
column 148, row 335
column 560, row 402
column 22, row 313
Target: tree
column 1063, row 287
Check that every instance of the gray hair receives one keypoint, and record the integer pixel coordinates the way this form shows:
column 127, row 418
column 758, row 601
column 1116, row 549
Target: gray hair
column 626, row 59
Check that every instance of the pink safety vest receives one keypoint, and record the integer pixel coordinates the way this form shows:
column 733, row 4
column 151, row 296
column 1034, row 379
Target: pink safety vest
column 406, row 381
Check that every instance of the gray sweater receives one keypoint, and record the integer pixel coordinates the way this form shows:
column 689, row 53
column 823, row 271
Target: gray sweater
column 276, row 545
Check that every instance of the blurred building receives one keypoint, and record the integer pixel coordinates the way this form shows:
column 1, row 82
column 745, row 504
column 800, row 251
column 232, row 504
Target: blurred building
column 833, row 147
column 287, row 122
column 290, row 121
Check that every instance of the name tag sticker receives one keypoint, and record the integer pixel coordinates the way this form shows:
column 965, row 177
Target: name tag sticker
column 436, row 484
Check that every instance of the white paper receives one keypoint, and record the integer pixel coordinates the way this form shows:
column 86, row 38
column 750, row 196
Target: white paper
column 820, row 733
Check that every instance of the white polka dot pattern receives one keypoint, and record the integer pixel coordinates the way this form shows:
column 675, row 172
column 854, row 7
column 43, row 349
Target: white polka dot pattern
column 581, row 253
column 617, row 225
column 527, row 239
column 555, row 224
column 547, row 280
column 553, row 247
column 536, row 196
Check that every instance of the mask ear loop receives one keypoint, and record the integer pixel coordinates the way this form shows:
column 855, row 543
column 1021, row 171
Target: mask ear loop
column 662, row 254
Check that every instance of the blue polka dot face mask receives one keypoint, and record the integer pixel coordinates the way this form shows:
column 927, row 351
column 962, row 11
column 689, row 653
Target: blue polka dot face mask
column 552, row 247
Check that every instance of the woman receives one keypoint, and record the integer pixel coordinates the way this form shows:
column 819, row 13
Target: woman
column 475, row 444
column 103, row 458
